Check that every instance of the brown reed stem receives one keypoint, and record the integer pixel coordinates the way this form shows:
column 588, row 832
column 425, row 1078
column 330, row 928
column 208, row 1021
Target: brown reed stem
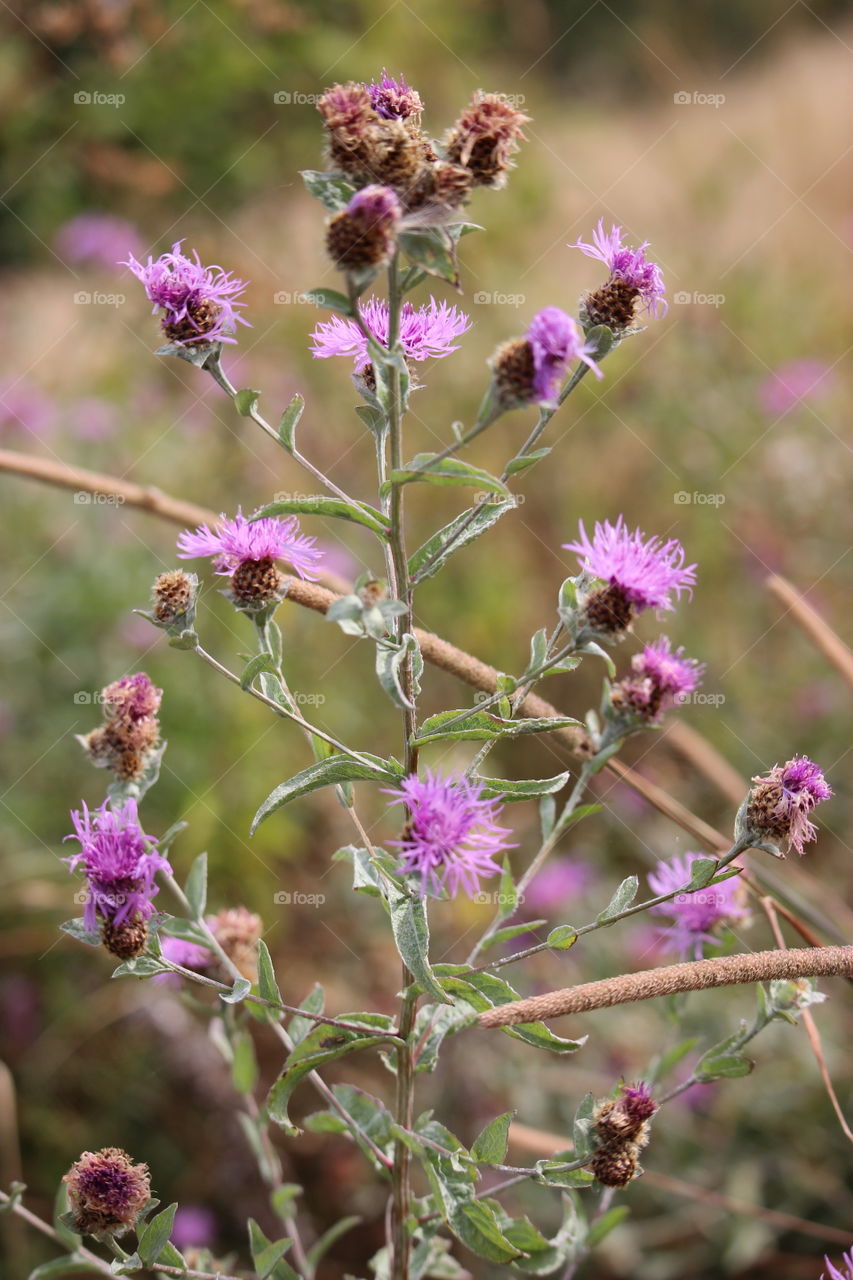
column 831, row 646
column 696, row 975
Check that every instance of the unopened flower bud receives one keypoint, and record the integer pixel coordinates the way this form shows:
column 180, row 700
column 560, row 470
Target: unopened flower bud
column 172, row 596
column 347, row 114
column 661, row 677
column 615, row 1166
column 394, row 99
column 125, row 940
column 364, row 234
column 484, row 139
column 107, row 1192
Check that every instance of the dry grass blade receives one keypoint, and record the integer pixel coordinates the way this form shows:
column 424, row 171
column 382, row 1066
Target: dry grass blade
column 831, row 646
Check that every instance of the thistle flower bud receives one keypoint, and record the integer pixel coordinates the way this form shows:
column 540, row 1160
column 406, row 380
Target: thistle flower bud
column 255, row 584
column 484, row 139
column 777, row 807
column 444, row 185
column 633, row 282
column 615, row 1166
column 130, row 731
column 347, row 113
column 364, row 234
column 106, row 1192
column 530, row 369
column 660, row 678
column 394, row 99
column 172, row 596
column 238, row 931
column 622, row 1119
column 126, row 940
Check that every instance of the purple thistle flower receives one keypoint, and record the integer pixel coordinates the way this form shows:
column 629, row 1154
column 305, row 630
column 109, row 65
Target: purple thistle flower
column 793, row 382
column 646, row 570
column 781, row 800
column 200, row 303
column 107, row 1192
column 394, row 99
column 233, row 543
column 627, row 266
column 133, row 697
column 119, row 861
column 555, row 340
column 428, row 331
column 834, row 1274
column 452, row 833
column 661, row 677
column 694, row 915
column 375, row 205
column 637, row 1101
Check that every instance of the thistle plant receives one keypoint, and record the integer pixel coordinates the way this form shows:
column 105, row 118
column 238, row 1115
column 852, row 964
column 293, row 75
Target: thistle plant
column 395, row 201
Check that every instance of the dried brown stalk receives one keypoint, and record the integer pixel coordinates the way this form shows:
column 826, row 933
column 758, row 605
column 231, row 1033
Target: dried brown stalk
column 696, row 975
column 831, row 646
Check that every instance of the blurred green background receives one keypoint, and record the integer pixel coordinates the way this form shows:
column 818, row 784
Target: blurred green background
column 723, row 424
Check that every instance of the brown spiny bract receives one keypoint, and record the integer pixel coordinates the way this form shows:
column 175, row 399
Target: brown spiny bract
column 514, row 370
column 171, row 595
column 354, row 245
column 257, row 583
column 609, row 610
column 125, row 940
column 196, row 324
column 613, row 304
column 394, row 155
column 485, row 137
column 615, row 1166
column 766, row 813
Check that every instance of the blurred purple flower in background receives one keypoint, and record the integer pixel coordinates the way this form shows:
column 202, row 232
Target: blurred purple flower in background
column 24, row 406
column 792, row 382
column 97, row 238
column 558, row 882
column 694, row 915
column 92, row 418
column 193, row 1225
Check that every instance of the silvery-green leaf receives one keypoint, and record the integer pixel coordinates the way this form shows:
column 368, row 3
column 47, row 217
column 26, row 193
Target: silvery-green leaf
column 479, row 726
column 198, row 354
column 289, row 422
column 449, row 471
column 431, row 249
column 324, row 1243
column 621, row 900
column 331, row 299
column 328, row 507
column 196, row 885
column 332, row 189
column 245, row 401
column 323, row 1044
column 510, row 789
column 241, row 988
column 139, row 967
column 525, row 461
column 268, row 1255
column 390, row 668
column 509, row 932
column 562, row 938
column 489, row 1147
column 442, row 545
column 324, row 773
column 77, row 929
column 155, row 1235
column 410, row 926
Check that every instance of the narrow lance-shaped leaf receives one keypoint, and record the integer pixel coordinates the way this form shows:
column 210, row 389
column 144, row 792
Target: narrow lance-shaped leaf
column 410, row 927
column 337, row 768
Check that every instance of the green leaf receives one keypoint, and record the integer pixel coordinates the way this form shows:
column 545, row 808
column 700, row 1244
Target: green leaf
column 480, row 726
column 562, row 938
column 139, row 967
column 65, row 1234
column 372, row 1117
column 196, row 886
column 126, row 1266
column 267, row 985
column 556, row 1173
column 268, row 1255
column 156, row 1234
column 187, row 930
column 331, row 189
column 390, row 668
column 331, row 299
column 328, row 1238
column 330, row 508
column 77, row 929
column 245, row 401
column 725, row 1066
column 283, row 1198
column 410, row 927
column 605, row 1224
column 450, row 471
column 432, row 250
column 525, row 460
column 490, row 1145
column 337, row 768
column 289, row 422
column 511, row 931
column 261, row 663
column 582, row 811
column 314, row 1002
column 323, row 1044
column 239, row 991
column 433, row 1023
column 474, row 1223
column 369, row 872
column 509, row 789
column 486, row 991
column 437, row 545
column 701, row 873
column 621, row 900
column 244, row 1067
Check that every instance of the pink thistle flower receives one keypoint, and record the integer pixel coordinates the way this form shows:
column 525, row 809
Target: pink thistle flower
column 426, row 331
column 627, row 266
column 793, row 382
column 119, row 861
column 97, row 238
column 452, row 834
column 233, row 543
column 555, row 340
column 834, row 1274
column 646, row 570
column 694, row 915
column 394, row 99
column 199, row 303
column 662, row 677
column 781, row 800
